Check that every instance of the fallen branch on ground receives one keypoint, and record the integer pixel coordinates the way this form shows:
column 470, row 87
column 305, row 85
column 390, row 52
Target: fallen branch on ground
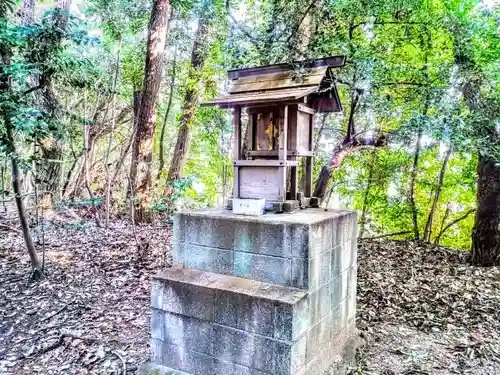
column 386, row 235
column 10, row 228
column 57, row 312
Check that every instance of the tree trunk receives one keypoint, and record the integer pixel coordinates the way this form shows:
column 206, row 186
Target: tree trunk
column 486, row 232
column 452, row 223
column 140, row 170
column 49, row 168
column 413, row 178
column 190, row 102
column 69, row 174
column 364, row 210
column 437, row 194
column 35, row 261
column 167, row 113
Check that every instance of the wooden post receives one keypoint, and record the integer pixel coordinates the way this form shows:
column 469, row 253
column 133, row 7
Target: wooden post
column 293, row 182
column 236, row 149
column 252, row 119
column 308, row 168
column 282, row 154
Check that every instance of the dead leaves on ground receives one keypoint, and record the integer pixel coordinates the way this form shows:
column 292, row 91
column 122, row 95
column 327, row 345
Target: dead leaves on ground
column 90, row 315
column 432, row 293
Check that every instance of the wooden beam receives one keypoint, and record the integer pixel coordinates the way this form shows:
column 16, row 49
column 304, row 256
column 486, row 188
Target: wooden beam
column 262, row 153
column 266, row 163
column 306, row 109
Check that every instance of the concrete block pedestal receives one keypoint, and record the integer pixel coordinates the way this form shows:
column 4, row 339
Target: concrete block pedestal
column 268, row 295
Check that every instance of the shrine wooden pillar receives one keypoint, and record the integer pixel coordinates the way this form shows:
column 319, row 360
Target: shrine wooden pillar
column 236, row 149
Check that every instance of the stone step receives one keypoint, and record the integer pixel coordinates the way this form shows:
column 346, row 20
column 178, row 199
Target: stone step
column 204, row 323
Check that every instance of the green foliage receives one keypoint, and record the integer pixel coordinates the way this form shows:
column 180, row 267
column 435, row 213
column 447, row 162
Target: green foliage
column 408, row 62
column 179, row 189
column 43, row 52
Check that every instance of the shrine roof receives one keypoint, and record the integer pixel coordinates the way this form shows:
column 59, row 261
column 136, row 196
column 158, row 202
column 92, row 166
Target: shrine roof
column 282, row 83
column 261, row 97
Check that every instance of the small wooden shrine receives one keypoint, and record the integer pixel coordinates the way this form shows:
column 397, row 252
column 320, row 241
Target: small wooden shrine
column 275, row 135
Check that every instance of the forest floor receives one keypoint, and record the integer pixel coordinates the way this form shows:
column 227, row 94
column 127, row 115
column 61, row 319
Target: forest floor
column 421, row 309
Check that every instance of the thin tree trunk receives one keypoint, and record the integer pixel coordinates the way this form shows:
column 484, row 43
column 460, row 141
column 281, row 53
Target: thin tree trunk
column 190, row 102
column 2, row 187
column 437, row 194
column 110, row 141
column 320, row 132
column 445, row 217
column 5, row 85
column 35, row 261
column 364, row 210
column 70, row 172
column 140, row 171
column 486, row 232
column 413, row 178
column 449, row 225
column 136, row 98
column 167, row 113
column 87, row 147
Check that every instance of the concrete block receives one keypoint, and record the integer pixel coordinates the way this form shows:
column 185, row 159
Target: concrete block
column 336, row 261
column 157, row 324
column 320, row 238
column 260, row 238
column 227, row 368
column 187, row 299
column 300, row 273
column 182, row 359
column 156, row 351
column 210, row 232
column 345, row 255
column 319, row 335
column 354, row 250
column 338, row 289
column 156, row 369
column 351, row 306
column 298, row 237
column 292, row 320
column 156, row 294
column 208, row 259
column 290, row 358
column 243, row 348
column 251, row 207
column 320, row 303
column 352, row 280
column 247, row 313
column 177, row 253
column 345, row 228
column 340, row 315
column 320, row 270
column 179, row 228
column 191, row 362
column 265, row 268
column 343, row 281
column 187, row 332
